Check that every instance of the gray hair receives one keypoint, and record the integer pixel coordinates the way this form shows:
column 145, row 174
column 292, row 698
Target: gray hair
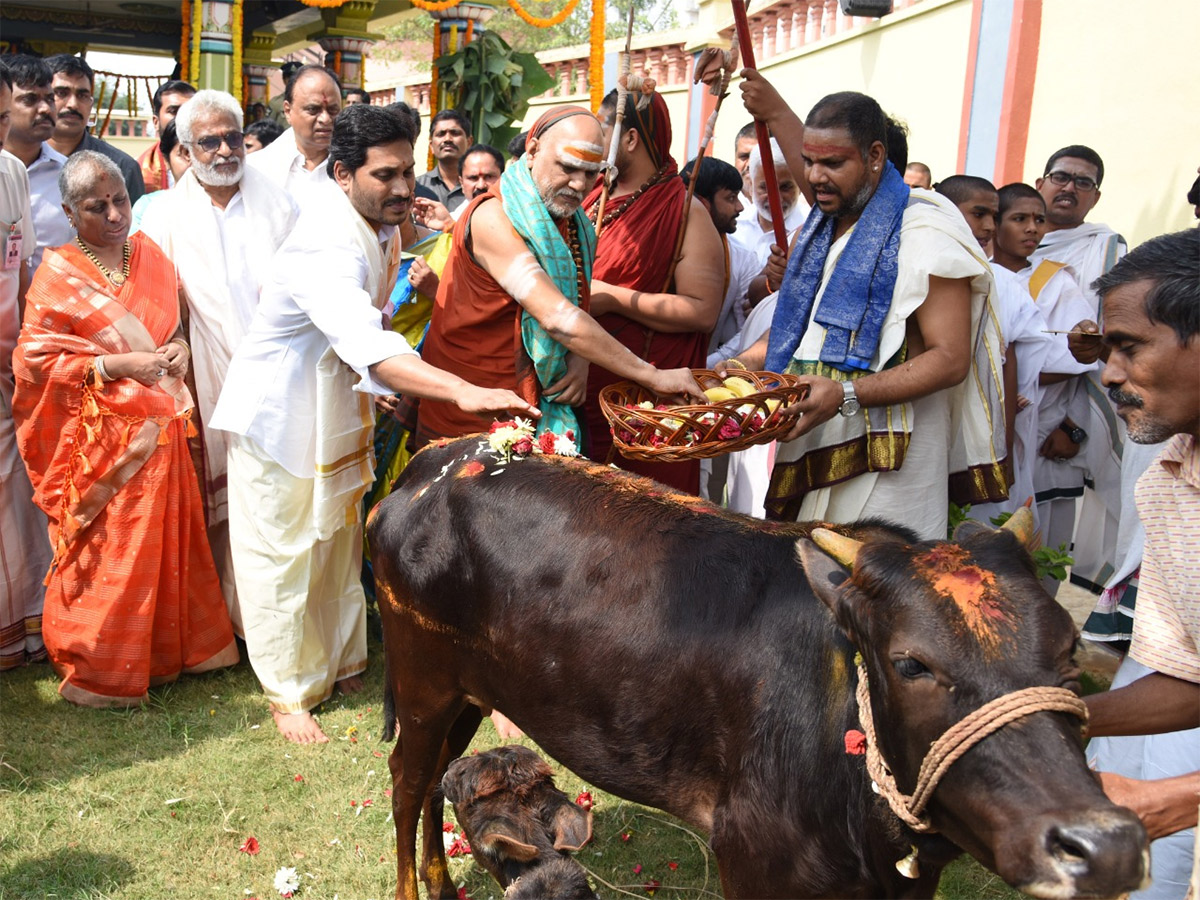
column 83, row 169
column 755, row 167
column 203, row 102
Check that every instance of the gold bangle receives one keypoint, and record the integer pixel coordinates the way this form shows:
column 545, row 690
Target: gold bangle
column 186, row 346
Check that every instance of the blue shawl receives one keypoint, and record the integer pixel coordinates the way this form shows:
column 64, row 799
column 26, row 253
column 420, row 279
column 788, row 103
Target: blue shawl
column 859, row 294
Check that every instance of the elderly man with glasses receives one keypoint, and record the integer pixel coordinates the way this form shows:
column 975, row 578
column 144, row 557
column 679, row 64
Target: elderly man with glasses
column 221, row 225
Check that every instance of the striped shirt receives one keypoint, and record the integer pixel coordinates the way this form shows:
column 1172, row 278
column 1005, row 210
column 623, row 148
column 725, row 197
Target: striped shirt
column 1166, row 628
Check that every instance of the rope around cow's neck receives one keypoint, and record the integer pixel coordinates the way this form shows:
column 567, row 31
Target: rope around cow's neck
column 957, row 740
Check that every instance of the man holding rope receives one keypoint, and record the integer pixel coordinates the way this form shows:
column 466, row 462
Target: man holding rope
column 900, row 352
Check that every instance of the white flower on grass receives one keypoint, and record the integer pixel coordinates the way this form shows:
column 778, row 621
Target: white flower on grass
column 287, row 882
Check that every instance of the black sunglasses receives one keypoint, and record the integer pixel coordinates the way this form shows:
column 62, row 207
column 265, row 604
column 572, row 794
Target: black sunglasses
column 234, row 139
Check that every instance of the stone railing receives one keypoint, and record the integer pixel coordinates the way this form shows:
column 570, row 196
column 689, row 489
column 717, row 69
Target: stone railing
column 791, row 24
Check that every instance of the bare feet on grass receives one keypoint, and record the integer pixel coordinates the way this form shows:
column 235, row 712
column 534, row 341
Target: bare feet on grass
column 299, row 728
column 351, row 684
column 505, row 727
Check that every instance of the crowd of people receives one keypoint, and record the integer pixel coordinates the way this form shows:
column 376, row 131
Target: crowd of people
column 230, row 347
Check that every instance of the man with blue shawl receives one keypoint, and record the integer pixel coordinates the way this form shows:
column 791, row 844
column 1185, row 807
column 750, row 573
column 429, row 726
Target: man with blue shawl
column 885, row 314
column 512, row 306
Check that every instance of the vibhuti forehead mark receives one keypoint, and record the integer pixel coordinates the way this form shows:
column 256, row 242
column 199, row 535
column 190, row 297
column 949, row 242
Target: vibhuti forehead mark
column 581, row 154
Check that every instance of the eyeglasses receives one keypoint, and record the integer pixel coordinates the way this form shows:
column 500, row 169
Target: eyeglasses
column 212, row 143
column 1082, row 182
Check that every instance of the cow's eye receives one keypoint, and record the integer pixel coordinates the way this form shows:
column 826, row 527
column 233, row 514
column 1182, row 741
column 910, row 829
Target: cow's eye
column 909, row 667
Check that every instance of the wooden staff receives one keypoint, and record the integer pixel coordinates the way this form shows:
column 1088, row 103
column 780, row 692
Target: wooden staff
column 719, row 89
column 760, row 130
column 610, row 166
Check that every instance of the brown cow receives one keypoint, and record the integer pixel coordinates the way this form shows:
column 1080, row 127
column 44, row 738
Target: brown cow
column 702, row 663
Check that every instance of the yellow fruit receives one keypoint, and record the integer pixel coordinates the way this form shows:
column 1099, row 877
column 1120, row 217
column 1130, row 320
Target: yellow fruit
column 772, row 405
column 718, row 394
column 740, row 386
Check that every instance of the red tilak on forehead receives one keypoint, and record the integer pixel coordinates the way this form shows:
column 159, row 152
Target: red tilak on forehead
column 827, row 149
column 971, row 589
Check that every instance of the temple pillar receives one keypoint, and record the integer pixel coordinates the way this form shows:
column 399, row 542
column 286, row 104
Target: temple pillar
column 257, row 66
column 214, row 69
column 345, row 38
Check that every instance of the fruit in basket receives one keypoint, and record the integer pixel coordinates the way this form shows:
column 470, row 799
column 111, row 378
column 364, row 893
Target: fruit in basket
column 720, row 393
column 740, row 386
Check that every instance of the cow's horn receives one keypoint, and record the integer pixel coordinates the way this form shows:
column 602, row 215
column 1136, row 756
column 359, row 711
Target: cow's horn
column 843, row 549
column 1020, row 524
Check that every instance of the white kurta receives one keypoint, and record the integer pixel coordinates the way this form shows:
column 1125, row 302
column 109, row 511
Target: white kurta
column 284, row 164
column 290, row 398
column 24, row 544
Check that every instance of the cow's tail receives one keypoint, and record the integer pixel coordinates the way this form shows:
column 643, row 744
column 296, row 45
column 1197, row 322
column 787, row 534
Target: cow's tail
column 391, row 726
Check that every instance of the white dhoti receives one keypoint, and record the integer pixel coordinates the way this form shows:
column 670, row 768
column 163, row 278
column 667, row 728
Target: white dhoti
column 301, row 596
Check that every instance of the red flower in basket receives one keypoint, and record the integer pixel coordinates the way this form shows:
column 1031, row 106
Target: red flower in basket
column 729, row 430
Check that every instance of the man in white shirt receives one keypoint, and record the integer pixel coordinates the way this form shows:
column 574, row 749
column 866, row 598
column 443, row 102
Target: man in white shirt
column 24, row 546
column 759, row 235
column 297, row 400
column 295, row 160
column 32, row 121
column 220, row 225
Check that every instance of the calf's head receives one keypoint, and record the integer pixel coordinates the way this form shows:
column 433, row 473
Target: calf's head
column 519, row 825
column 944, row 628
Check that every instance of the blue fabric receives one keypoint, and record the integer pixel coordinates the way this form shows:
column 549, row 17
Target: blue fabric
column 859, row 294
column 525, row 209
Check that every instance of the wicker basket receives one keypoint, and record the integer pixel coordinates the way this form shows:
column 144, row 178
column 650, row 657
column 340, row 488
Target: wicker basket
column 680, row 433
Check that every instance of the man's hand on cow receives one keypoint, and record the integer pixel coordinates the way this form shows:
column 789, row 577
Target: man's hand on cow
column 675, row 386
column 759, row 96
column 571, row 389
column 821, row 404
column 433, row 215
column 1165, row 805
column 494, row 400
column 423, row 278
column 1086, row 348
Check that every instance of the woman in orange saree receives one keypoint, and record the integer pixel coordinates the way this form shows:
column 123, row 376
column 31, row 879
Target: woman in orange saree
column 102, row 413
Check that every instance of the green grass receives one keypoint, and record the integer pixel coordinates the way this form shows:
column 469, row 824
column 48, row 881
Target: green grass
column 154, row 803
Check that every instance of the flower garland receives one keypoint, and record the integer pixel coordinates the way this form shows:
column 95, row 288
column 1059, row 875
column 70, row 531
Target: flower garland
column 433, row 83
column 185, row 39
column 515, row 438
column 596, row 56
column 328, row 4
column 433, row 6
column 238, row 89
column 538, row 22
column 194, row 54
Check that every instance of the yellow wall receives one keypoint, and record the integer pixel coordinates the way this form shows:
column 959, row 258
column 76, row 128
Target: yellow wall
column 1125, row 81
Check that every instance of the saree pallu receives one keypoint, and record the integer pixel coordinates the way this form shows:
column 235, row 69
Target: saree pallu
column 132, row 597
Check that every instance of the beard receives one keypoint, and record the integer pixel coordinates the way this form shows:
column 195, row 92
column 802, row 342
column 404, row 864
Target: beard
column 1140, row 428
column 209, row 174
column 763, row 208
column 562, row 203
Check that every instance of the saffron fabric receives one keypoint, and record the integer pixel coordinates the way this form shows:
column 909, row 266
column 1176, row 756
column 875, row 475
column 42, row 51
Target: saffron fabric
column 156, row 173
column 133, row 597
column 544, row 237
column 635, row 251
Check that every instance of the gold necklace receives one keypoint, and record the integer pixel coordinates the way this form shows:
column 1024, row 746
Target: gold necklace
column 117, row 278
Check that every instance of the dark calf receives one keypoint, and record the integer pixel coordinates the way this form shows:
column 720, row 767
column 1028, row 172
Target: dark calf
column 519, row 825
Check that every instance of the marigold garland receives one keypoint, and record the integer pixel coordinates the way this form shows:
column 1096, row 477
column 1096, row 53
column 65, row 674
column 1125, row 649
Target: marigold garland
column 537, row 21
column 185, row 39
column 238, row 90
column 596, row 56
column 194, row 55
column 433, row 83
column 328, row 4
column 435, row 7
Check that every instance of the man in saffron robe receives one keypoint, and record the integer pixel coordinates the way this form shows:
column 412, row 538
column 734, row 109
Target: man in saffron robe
column 511, row 310
column 662, row 311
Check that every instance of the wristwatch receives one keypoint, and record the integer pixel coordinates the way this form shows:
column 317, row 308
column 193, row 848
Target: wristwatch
column 1074, row 432
column 850, row 405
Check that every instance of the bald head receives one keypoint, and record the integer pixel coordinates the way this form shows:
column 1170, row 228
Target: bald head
column 564, row 159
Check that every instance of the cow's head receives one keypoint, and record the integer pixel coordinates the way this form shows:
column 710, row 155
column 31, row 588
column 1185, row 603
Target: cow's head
column 518, row 823
column 944, row 628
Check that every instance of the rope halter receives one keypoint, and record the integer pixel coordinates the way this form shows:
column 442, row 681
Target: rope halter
column 956, row 741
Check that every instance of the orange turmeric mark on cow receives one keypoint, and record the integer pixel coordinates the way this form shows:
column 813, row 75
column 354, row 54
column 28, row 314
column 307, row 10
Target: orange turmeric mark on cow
column 972, row 590
column 471, row 470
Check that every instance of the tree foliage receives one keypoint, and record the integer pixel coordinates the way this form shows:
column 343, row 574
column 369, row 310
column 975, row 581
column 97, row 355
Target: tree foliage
column 412, row 38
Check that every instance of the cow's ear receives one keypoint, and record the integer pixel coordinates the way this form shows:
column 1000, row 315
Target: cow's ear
column 572, row 827
column 825, row 574
column 498, row 840
column 968, row 528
